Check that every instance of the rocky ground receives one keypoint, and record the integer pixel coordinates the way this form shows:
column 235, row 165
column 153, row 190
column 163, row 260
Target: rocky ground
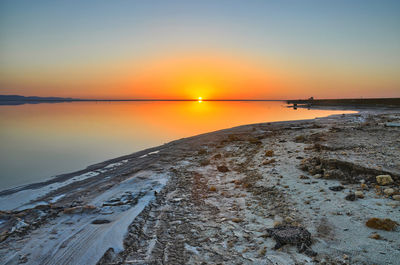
column 303, row 192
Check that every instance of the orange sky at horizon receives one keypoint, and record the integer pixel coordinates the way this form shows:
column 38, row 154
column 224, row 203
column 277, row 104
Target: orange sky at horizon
column 189, row 76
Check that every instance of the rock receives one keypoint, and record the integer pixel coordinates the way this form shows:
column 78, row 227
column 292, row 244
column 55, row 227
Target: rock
column 217, row 156
column 23, row 259
column 336, row 188
column 101, row 221
column 303, row 177
column 237, row 220
column 269, row 153
column 293, row 235
column 396, row 197
column 317, row 176
column 382, row 224
column 289, row 219
column 359, row 194
column 364, row 186
column 384, row 180
column 375, row 236
column 213, row 189
column 388, row 191
column 262, row 252
column 222, row 169
column 267, row 162
column 350, row 197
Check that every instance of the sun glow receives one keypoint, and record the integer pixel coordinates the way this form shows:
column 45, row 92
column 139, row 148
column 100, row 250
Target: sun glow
column 200, row 99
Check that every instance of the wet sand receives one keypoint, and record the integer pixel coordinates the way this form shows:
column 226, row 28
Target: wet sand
column 213, row 198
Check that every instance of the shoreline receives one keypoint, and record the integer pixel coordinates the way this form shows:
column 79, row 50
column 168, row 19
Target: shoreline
column 131, row 191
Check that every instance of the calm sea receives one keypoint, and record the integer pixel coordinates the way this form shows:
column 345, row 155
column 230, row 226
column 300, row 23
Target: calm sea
column 42, row 140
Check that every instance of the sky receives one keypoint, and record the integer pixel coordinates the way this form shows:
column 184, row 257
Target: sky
column 253, row 49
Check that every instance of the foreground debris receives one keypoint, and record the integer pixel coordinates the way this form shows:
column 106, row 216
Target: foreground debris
column 305, row 192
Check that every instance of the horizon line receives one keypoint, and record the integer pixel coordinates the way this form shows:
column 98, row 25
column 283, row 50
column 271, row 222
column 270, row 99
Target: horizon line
column 51, row 98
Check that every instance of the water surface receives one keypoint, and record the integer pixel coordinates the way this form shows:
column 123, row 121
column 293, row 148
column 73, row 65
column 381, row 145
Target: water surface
column 42, row 140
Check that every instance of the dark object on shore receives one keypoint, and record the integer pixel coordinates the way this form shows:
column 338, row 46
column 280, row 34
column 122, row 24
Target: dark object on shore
column 351, row 197
column 382, row 224
column 217, row 156
column 367, row 102
column 336, row 188
column 292, row 235
column 101, row 221
column 222, row 168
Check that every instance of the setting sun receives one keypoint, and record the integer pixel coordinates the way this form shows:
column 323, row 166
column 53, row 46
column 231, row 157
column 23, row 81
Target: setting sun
column 200, row 99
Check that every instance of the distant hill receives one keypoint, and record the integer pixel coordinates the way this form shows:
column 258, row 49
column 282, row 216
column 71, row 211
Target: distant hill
column 19, row 100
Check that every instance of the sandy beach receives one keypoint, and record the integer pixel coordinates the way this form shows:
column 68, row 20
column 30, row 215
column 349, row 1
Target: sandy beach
column 299, row 192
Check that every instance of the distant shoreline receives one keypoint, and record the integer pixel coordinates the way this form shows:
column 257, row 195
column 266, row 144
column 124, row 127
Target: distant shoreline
column 17, row 99
column 357, row 102
column 13, row 100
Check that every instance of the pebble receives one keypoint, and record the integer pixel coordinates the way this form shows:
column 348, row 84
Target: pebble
column 336, row 188
column 375, row 236
column 100, row 221
column 223, row 168
column 269, row 153
column 359, row 194
column 213, row 188
column 384, row 180
column 388, row 191
column 351, row 197
column 396, row 197
column 382, row 224
column 289, row 219
column 236, row 220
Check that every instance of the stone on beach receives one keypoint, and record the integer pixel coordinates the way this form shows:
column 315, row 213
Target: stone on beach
column 375, row 236
column 270, row 161
column 293, row 235
column 351, row 197
column 384, row 180
column 336, row 188
column 359, row 194
column 388, row 191
column 100, row 221
column 382, row 224
column 269, row 153
column 223, row 168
